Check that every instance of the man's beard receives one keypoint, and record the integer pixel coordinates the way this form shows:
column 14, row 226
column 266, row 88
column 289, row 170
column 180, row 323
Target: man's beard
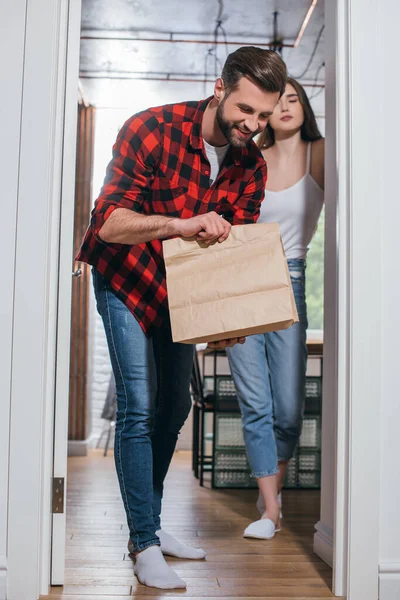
column 228, row 128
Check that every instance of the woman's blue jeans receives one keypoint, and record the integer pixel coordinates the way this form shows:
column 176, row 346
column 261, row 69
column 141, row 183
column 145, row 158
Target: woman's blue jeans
column 152, row 377
column 269, row 374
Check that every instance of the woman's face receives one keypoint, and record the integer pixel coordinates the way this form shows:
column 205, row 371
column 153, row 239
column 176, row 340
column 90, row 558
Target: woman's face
column 288, row 116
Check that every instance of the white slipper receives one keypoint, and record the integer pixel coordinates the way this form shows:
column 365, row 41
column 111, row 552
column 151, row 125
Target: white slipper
column 263, row 529
column 261, row 506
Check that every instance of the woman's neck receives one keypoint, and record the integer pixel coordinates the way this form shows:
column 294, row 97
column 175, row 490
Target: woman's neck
column 287, row 146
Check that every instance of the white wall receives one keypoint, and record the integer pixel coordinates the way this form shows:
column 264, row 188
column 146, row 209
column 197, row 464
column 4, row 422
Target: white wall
column 389, row 199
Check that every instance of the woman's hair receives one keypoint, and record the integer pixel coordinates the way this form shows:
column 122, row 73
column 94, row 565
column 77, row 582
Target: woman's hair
column 264, row 67
column 309, row 130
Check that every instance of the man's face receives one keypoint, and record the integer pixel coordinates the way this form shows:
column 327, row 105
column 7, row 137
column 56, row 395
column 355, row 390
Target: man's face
column 244, row 113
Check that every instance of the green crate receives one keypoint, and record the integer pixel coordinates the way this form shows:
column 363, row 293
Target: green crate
column 309, row 461
column 228, row 431
column 311, row 433
column 225, row 387
column 233, row 479
column 313, row 387
column 309, row 479
column 313, row 395
column 304, row 471
column 225, row 398
column 235, row 460
column 291, row 474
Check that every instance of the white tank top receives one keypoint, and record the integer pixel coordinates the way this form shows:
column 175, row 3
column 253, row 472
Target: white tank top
column 297, row 210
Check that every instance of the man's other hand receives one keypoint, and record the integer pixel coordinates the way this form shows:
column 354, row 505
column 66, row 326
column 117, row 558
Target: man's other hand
column 222, row 344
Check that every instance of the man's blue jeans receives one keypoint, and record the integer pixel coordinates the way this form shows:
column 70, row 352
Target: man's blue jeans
column 269, row 373
column 152, row 377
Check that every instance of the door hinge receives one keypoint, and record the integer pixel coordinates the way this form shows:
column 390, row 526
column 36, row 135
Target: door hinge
column 58, row 495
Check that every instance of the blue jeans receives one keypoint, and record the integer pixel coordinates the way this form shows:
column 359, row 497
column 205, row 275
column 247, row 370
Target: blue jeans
column 269, row 374
column 152, row 378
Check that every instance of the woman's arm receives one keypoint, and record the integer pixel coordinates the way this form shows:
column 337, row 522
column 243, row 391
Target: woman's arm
column 318, row 161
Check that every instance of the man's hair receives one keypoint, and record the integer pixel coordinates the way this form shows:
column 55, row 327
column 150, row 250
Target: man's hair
column 265, row 68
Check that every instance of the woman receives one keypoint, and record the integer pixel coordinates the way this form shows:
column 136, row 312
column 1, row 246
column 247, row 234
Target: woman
column 269, row 370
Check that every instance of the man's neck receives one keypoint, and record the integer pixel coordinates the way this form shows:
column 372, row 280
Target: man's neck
column 211, row 131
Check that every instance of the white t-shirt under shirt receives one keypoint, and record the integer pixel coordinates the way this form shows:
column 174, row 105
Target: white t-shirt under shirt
column 215, row 155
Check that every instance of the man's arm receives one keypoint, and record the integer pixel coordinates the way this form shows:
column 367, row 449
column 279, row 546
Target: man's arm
column 117, row 218
column 247, row 208
column 129, row 174
column 124, row 226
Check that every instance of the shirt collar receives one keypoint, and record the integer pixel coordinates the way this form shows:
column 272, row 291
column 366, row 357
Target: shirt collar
column 195, row 136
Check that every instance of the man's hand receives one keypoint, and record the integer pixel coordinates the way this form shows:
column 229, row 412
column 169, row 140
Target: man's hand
column 222, row 344
column 208, row 228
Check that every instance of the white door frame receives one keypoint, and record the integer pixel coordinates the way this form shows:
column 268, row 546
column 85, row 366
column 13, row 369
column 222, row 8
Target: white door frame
column 36, row 309
column 46, row 161
column 73, row 28
column 357, row 472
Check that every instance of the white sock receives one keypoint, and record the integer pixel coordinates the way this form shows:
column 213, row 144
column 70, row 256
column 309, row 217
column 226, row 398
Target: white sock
column 152, row 570
column 172, row 547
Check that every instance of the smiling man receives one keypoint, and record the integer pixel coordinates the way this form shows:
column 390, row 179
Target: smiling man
column 175, row 171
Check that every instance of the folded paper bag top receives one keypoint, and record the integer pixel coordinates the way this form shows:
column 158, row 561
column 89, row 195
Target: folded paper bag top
column 237, row 288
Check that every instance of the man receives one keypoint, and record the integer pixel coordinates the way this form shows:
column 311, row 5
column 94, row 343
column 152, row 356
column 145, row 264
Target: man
column 175, row 171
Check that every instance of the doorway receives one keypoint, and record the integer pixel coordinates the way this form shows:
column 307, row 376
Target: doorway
column 121, row 90
column 340, row 25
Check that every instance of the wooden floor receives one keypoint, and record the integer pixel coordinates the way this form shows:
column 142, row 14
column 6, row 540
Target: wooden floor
column 98, row 566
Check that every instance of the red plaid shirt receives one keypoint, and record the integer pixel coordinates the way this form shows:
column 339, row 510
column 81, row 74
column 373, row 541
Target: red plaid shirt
column 159, row 166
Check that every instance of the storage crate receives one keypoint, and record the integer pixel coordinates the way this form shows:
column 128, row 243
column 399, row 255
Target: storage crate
column 291, row 474
column 304, row 470
column 226, row 460
column 309, row 479
column 313, row 395
column 228, row 431
column 313, row 387
column 311, row 433
column 225, row 397
column 233, row 479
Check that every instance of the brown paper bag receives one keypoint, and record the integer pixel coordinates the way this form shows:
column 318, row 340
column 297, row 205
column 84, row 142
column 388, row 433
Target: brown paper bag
column 237, row 288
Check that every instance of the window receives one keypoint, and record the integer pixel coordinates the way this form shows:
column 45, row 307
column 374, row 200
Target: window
column 315, row 280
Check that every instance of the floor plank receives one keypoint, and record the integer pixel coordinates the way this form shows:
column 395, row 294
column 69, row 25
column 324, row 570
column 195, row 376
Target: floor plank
column 98, row 566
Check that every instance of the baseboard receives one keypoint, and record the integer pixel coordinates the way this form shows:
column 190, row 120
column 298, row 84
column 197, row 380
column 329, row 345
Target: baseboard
column 3, row 577
column 323, row 543
column 389, row 581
